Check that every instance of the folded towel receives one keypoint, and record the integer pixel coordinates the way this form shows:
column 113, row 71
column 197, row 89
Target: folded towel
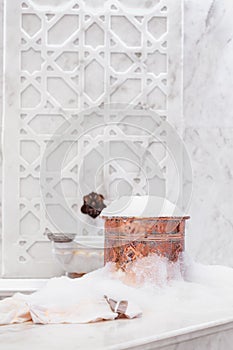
column 64, row 300
column 14, row 310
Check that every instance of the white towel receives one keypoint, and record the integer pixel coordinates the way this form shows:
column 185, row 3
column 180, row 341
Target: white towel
column 63, row 300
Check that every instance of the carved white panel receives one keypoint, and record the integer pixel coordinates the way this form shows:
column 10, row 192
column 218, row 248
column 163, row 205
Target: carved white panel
column 83, row 80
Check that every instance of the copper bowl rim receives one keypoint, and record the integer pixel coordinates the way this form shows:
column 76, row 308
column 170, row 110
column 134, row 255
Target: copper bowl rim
column 146, row 218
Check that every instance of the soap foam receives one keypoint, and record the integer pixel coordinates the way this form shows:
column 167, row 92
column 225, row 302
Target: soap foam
column 142, row 206
column 167, row 298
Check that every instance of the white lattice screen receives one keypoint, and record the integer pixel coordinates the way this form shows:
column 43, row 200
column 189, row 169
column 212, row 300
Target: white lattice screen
column 82, row 79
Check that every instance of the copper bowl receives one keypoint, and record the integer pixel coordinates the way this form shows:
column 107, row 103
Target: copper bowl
column 130, row 238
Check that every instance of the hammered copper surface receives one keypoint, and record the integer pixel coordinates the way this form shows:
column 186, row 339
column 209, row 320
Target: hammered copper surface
column 127, row 239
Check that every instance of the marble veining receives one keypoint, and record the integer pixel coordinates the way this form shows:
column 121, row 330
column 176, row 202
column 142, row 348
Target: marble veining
column 208, row 135
column 209, row 235
column 208, row 74
column 119, row 335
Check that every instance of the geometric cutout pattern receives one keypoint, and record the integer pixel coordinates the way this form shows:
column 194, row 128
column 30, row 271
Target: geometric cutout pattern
column 82, row 86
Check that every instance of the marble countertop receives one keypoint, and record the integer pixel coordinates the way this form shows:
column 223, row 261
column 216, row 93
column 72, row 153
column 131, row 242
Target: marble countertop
column 10, row 286
column 117, row 335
